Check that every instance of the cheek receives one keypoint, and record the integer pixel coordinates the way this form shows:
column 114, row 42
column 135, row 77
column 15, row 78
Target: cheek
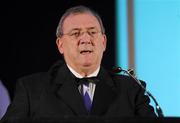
column 71, row 49
column 101, row 44
column 101, row 47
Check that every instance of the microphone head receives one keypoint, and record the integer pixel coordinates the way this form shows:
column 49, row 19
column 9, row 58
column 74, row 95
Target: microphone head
column 117, row 70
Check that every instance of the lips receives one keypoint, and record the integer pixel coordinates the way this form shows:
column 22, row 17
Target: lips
column 86, row 51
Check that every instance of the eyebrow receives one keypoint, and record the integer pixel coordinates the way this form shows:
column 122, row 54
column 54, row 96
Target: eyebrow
column 91, row 28
column 77, row 29
column 74, row 29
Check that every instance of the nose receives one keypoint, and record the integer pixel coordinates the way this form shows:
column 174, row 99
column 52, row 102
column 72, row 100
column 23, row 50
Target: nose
column 85, row 38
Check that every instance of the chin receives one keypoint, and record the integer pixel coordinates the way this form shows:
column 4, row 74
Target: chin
column 87, row 64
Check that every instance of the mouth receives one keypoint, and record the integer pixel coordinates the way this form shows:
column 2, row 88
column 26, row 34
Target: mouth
column 84, row 52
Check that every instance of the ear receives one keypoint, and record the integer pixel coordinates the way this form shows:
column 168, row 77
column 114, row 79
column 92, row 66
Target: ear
column 59, row 43
column 104, row 41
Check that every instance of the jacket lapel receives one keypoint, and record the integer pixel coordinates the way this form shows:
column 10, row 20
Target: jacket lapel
column 68, row 91
column 105, row 94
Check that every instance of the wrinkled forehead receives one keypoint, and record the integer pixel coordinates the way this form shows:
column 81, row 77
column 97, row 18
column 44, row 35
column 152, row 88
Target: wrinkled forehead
column 80, row 20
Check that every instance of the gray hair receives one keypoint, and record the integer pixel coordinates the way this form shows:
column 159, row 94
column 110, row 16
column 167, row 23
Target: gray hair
column 76, row 10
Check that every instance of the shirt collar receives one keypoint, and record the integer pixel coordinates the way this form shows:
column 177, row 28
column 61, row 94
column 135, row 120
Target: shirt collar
column 95, row 73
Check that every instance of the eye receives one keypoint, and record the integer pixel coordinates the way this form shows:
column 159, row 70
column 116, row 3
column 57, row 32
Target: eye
column 92, row 32
column 75, row 34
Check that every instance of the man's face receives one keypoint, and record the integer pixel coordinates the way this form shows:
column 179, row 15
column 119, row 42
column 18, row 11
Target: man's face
column 83, row 43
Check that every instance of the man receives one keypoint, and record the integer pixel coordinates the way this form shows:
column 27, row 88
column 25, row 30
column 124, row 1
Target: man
column 82, row 41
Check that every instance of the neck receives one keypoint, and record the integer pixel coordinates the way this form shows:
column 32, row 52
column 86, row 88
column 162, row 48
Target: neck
column 84, row 72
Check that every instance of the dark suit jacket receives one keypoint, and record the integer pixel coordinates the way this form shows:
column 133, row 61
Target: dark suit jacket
column 55, row 94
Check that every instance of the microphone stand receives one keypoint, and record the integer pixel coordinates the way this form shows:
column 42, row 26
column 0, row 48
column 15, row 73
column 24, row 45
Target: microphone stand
column 130, row 72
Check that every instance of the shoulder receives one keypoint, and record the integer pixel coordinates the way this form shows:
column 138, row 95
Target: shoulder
column 126, row 81
column 34, row 76
column 40, row 78
column 33, row 81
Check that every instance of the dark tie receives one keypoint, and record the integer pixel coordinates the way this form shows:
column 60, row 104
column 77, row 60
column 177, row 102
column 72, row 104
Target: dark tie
column 85, row 95
column 87, row 80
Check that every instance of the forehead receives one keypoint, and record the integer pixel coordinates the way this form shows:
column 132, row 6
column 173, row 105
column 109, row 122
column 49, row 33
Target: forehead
column 80, row 20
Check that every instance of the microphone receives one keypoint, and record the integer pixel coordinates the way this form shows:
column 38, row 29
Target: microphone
column 130, row 72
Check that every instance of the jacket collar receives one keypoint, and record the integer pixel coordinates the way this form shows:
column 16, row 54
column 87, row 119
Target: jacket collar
column 105, row 93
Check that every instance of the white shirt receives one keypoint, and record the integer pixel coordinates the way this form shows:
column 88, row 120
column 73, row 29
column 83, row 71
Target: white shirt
column 91, row 88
